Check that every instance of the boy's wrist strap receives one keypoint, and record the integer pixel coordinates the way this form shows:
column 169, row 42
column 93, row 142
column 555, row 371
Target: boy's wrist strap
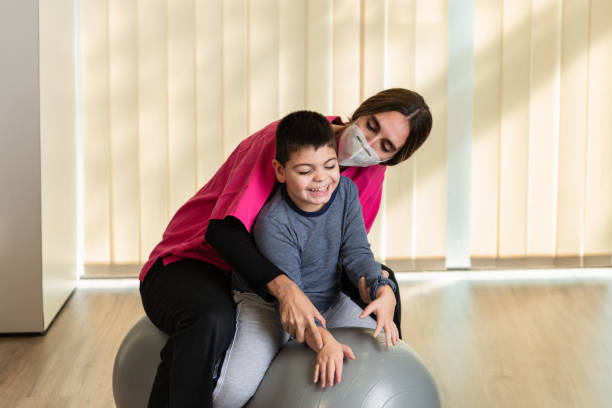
column 374, row 286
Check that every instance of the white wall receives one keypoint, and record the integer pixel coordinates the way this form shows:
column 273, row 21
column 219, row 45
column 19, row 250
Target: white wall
column 37, row 164
column 20, row 215
column 58, row 153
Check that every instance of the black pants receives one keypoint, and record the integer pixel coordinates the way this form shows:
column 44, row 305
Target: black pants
column 191, row 301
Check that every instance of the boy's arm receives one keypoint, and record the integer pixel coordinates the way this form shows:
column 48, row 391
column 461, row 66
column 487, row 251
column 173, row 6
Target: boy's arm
column 358, row 260
column 383, row 306
column 277, row 242
column 279, row 245
column 355, row 253
column 330, row 358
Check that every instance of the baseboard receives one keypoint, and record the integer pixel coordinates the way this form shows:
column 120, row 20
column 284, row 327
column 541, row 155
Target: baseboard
column 111, row 271
column 412, row 265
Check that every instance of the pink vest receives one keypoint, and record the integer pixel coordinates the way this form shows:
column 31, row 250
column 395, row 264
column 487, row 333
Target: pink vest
column 240, row 189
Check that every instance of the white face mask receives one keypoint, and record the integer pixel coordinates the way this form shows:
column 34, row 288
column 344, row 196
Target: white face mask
column 354, row 150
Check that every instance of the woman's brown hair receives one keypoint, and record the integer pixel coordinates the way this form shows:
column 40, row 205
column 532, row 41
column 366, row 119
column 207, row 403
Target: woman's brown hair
column 408, row 103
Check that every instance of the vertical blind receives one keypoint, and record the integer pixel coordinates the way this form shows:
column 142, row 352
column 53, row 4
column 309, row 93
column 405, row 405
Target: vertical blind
column 542, row 177
column 170, row 87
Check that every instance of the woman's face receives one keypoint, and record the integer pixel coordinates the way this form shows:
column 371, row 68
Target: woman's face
column 386, row 132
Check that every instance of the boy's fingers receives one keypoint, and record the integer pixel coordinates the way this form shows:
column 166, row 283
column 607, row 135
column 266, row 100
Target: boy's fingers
column 330, row 372
column 368, row 310
column 388, row 335
column 339, row 371
column 348, row 352
column 378, row 328
column 322, row 369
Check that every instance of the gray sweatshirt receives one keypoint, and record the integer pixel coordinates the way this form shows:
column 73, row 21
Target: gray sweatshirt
column 308, row 245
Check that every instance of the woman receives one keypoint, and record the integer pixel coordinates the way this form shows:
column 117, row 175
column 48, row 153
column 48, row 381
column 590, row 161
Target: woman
column 185, row 288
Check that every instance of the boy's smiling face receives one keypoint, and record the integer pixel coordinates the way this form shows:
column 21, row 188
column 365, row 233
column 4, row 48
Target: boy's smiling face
column 311, row 176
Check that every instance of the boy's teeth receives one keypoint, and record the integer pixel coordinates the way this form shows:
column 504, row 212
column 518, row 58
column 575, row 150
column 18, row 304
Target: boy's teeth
column 319, row 189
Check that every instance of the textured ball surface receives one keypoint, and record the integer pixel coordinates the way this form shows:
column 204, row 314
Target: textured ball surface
column 379, row 377
column 136, row 364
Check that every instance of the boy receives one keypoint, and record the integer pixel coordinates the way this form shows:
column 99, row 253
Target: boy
column 311, row 221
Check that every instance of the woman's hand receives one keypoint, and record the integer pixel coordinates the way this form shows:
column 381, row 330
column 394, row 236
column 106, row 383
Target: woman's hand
column 383, row 307
column 330, row 361
column 297, row 312
column 364, row 293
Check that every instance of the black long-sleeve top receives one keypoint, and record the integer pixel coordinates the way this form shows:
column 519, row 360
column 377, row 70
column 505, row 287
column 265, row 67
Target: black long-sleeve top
column 232, row 241
column 230, row 238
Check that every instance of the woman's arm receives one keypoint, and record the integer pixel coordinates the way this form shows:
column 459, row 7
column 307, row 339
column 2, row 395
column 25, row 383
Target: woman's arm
column 236, row 246
column 233, row 242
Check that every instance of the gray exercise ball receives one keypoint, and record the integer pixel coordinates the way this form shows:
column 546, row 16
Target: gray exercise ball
column 393, row 377
column 136, row 364
column 379, row 377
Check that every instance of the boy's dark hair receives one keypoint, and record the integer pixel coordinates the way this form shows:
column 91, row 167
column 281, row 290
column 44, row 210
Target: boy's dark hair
column 302, row 129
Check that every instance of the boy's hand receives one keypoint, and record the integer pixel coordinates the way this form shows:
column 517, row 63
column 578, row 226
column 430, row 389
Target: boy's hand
column 330, row 361
column 383, row 307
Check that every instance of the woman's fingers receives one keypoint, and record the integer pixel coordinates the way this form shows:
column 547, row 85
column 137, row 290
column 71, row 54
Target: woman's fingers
column 316, row 374
column 363, row 290
column 316, row 334
column 286, row 322
column 319, row 317
column 299, row 333
column 298, row 313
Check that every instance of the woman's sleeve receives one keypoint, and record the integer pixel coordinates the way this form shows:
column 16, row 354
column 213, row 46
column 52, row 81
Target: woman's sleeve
column 236, row 246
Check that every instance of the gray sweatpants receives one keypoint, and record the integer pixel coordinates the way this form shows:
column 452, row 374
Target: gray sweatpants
column 259, row 336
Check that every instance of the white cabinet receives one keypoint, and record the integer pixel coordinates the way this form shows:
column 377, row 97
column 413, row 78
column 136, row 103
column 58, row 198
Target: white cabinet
column 38, row 188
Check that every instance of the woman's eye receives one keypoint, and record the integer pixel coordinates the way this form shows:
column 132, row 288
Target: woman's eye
column 385, row 148
column 370, row 126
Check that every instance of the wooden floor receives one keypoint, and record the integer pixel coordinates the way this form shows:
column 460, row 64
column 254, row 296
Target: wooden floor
column 70, row 366
column 487, row 343
column 530, row 344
